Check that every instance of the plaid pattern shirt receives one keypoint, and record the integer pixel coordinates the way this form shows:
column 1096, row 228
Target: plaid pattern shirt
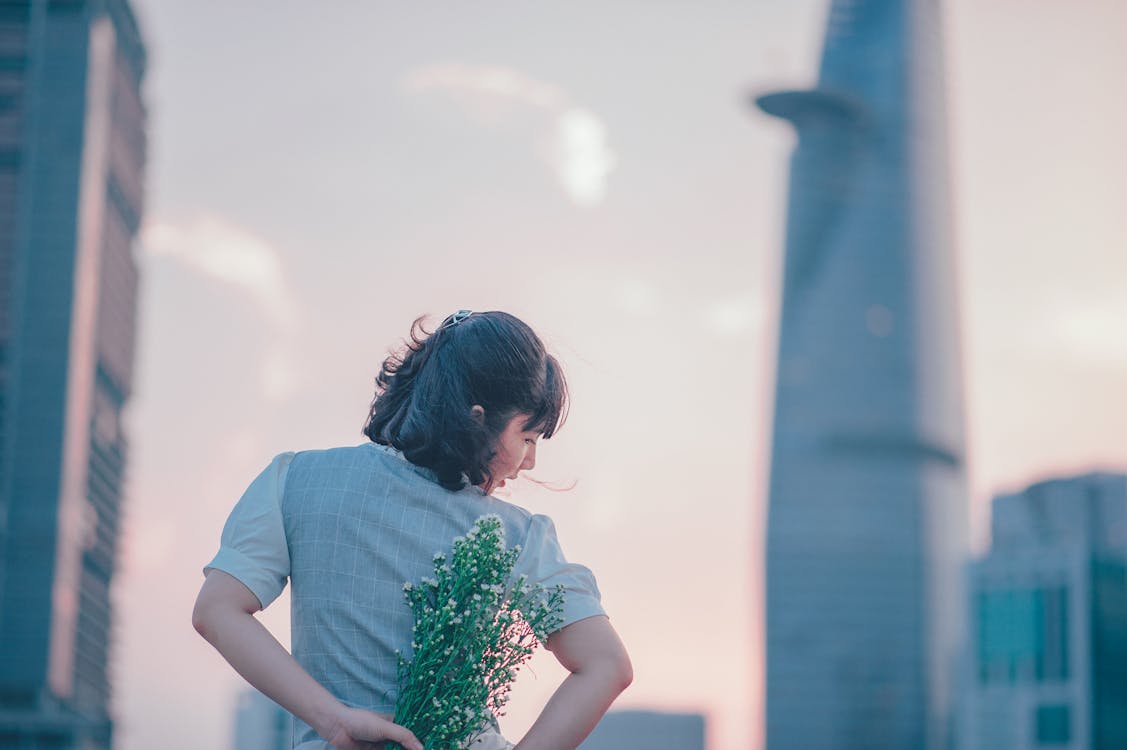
column 347, row 527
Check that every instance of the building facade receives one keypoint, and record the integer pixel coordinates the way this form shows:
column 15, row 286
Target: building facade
column 647, row 730
column 1048, row 649
column 261, row 724
column 867, row 514
column 72, row 153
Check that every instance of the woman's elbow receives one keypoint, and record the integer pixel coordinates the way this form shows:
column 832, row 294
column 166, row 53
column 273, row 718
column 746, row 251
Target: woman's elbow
column 615, row 670
column 221, row 598
column 209, row 610
column 201, row 620
column 623, row 672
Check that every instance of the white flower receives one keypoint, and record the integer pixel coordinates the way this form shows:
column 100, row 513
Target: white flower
column 475, row 618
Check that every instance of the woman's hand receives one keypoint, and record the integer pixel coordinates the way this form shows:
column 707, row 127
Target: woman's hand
column 357, row 729
column 224, row 615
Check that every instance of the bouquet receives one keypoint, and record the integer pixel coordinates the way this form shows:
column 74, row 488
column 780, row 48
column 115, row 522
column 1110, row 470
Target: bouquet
column 472, row 632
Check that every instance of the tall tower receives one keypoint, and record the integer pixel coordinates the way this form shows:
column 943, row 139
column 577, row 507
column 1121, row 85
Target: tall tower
column 72, row 150
column 867, row 514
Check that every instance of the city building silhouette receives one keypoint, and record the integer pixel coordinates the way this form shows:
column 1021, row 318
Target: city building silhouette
column 647, row 730
column 72, row 153
column 261, row 724
column 867, row 514
column 1047, row 652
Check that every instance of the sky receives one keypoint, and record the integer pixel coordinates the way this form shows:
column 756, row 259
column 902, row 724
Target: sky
column 317, row 180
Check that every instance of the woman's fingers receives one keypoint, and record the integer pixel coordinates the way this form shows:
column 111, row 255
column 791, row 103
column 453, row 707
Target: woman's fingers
column 375, row 728
column 362, row 729
column 404, row 737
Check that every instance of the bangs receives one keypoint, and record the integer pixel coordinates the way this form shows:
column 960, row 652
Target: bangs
column 550, row 411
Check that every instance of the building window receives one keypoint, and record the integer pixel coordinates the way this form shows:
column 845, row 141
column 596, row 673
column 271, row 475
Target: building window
column 1023, row 635
column 1007, row 635
column 1053, row 664
column 1053, row 725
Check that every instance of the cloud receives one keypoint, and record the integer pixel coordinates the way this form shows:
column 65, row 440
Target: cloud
column 223, row 252
column 227, row 253
column 578, row 150
column 278, row 375
column 482, row 84
column 1091, row 331
column 582, row 158
column 734, row 316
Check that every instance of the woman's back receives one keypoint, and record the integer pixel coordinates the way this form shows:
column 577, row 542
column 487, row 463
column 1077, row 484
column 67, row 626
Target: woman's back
column 357, row 524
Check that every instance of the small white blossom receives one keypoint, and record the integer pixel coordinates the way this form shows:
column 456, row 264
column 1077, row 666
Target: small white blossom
column 467, row 613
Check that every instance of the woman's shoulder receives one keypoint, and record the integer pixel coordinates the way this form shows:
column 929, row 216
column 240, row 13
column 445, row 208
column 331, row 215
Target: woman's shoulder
column 533, row 532
column 353, row 465
column 363, row 455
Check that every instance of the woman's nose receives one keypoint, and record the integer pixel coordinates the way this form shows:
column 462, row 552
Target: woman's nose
column 529, row 458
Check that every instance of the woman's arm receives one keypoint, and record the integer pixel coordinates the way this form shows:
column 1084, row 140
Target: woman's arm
column 600, row 669
column 224, row 615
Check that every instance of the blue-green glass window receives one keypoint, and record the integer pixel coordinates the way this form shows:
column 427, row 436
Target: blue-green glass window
column 1022, row 634
column 1053, row 725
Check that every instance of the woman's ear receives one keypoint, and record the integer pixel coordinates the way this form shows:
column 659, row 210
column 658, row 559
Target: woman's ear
column 478, row 413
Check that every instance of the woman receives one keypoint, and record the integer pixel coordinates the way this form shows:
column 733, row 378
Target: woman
column 455, row 416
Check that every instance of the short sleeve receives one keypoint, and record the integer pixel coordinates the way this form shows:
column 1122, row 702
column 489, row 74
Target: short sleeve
column 252, row 547
column 542, row 561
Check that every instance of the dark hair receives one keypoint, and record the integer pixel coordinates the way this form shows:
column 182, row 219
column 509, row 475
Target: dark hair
column 426, row 391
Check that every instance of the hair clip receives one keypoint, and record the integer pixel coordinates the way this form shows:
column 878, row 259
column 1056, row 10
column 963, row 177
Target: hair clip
column 455, row 319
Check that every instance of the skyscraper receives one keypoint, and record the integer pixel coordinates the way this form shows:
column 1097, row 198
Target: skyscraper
column 867, row 507
column 1048, row 626
column 72, row 151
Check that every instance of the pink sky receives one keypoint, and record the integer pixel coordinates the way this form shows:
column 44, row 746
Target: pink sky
column 318, row 180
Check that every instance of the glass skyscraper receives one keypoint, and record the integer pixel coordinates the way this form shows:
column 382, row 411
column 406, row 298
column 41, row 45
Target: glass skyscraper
column 72, row 153
column 1048, row 629
column 866, row 526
